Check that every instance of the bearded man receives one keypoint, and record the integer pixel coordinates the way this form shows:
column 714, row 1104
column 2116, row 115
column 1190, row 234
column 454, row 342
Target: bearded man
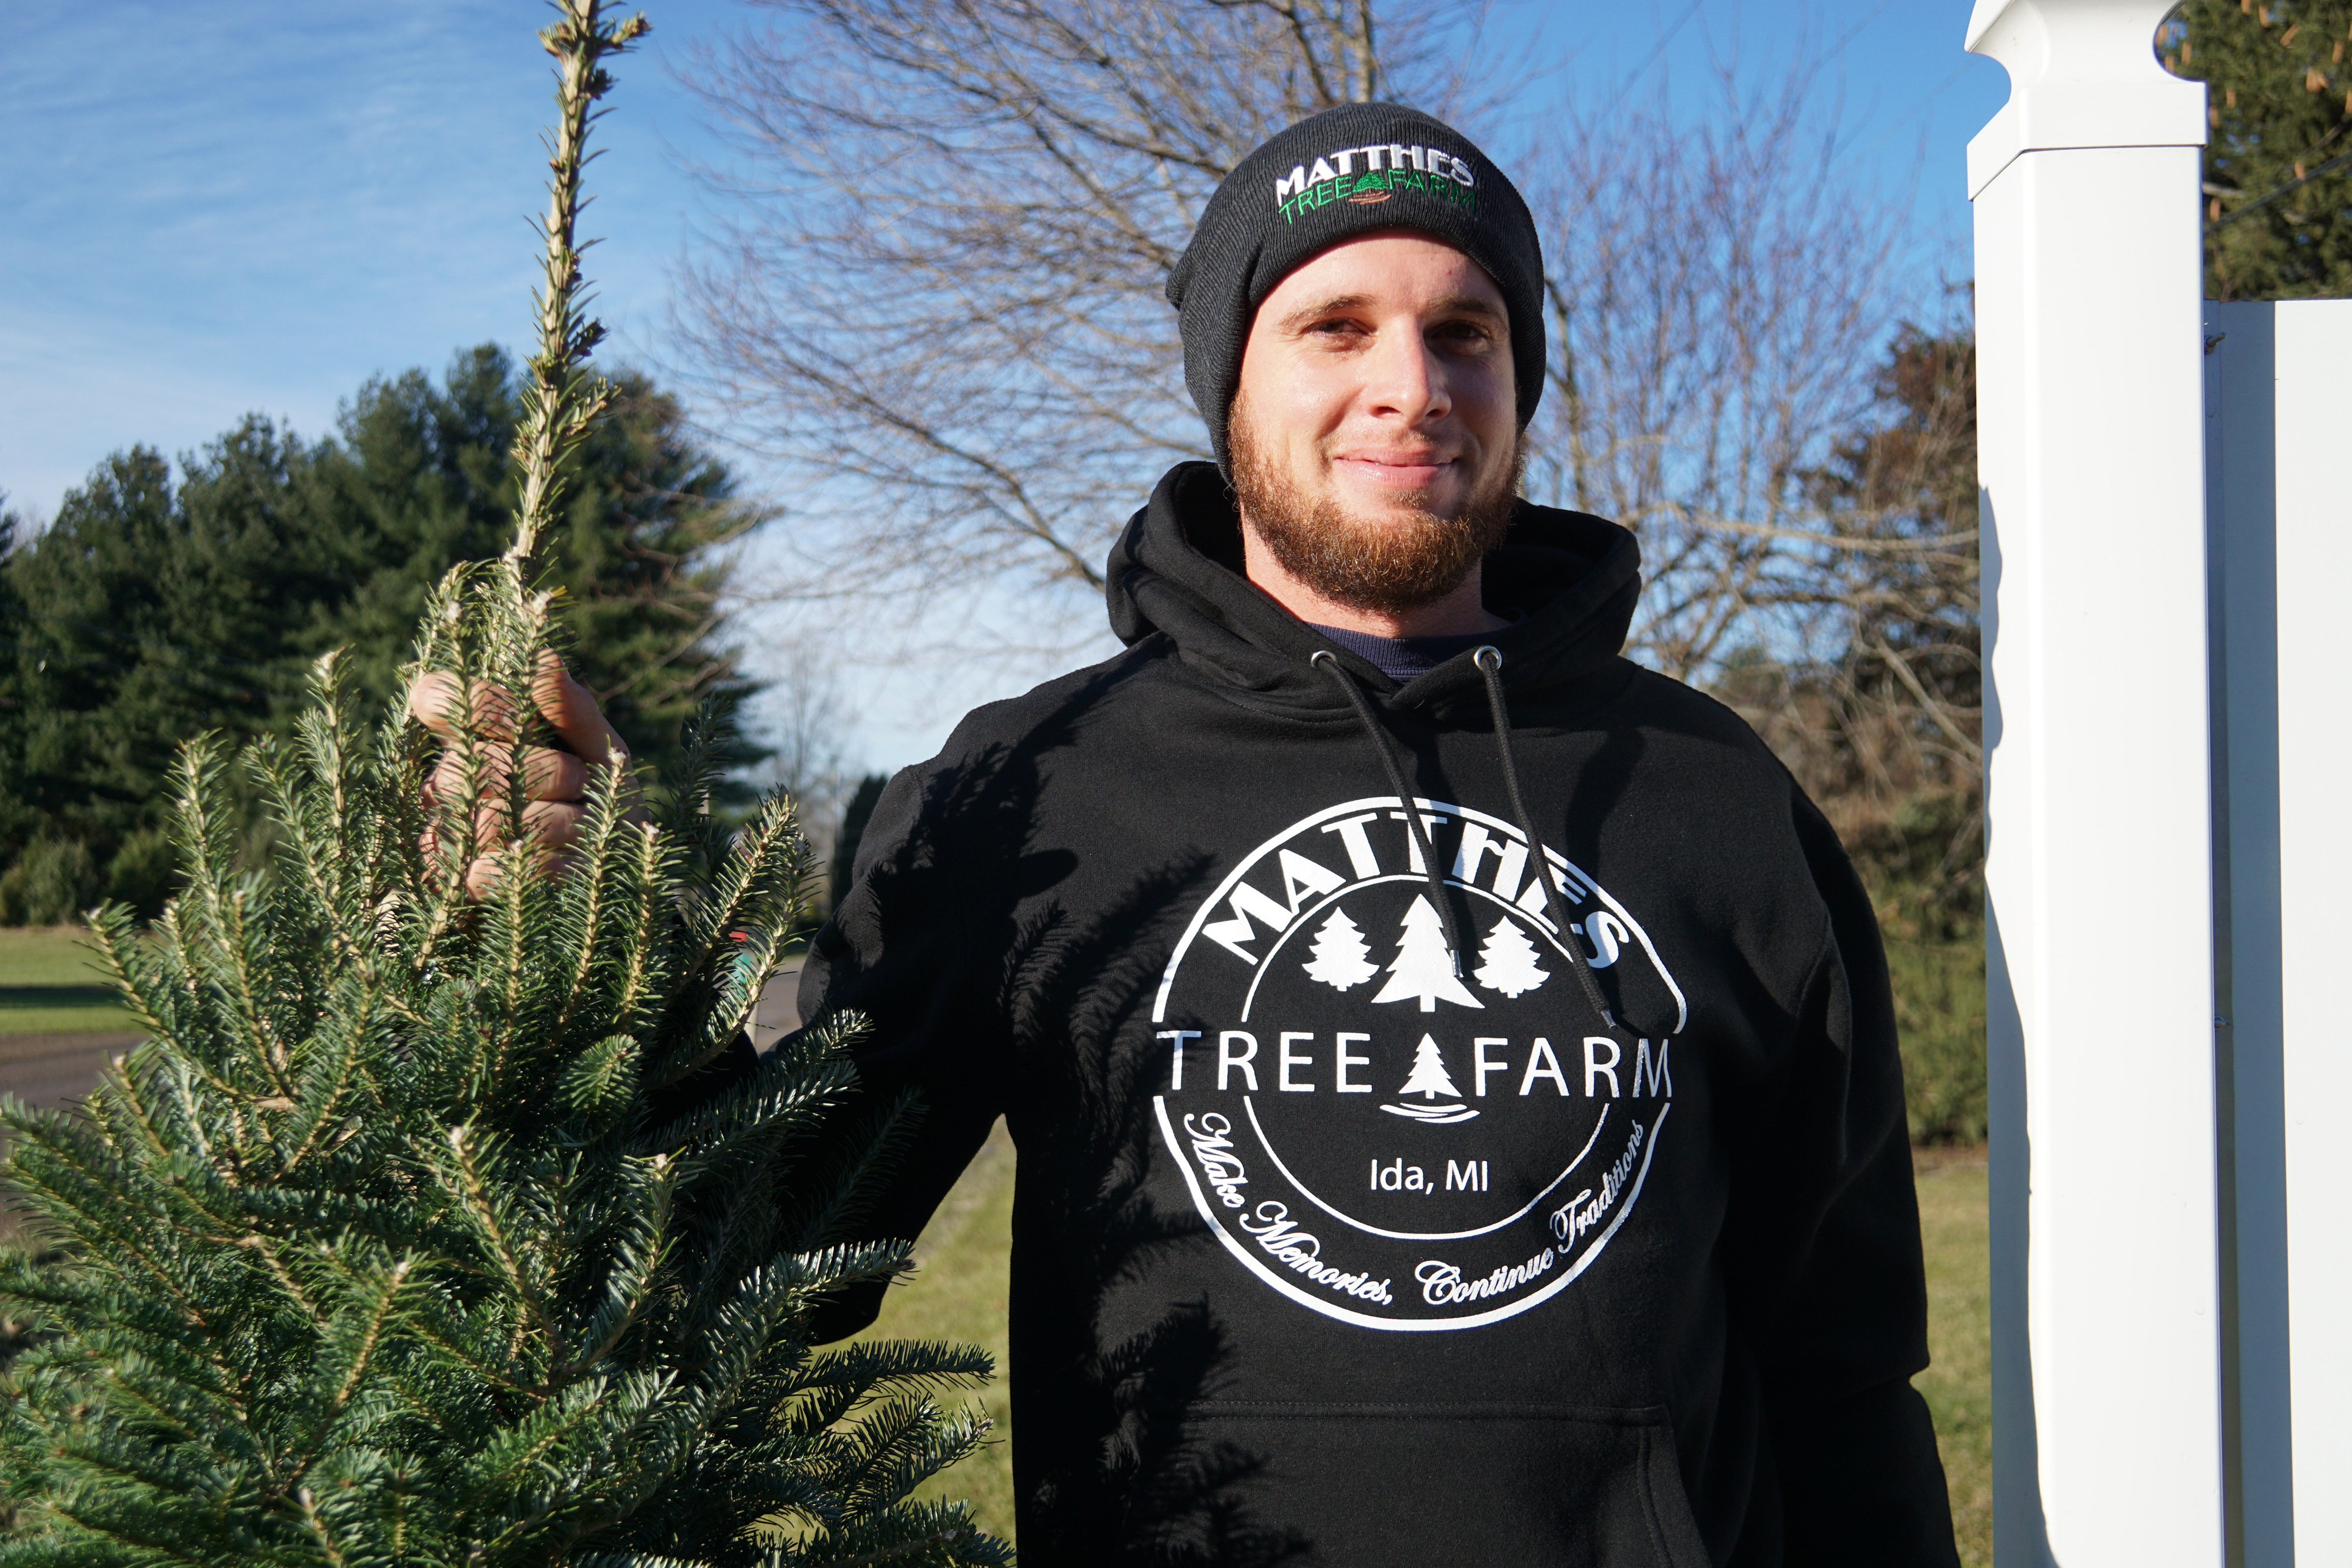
column 1453, row 1067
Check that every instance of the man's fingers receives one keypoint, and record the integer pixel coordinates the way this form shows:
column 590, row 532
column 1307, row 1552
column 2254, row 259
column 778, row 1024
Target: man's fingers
column 483, row 872
column 546, row 775
column 483, row 875
column 544, row 822
column 550, row 822
column 544, row 857
column 429, row 702
column 554, row 782
column 553, row 823
column 554, row 776
column 568, row 706
column 572, row 710
column 432, row 702
column 447, row 782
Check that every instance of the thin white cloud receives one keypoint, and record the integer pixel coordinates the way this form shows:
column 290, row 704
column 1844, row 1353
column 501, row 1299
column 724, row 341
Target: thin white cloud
column 243, row 207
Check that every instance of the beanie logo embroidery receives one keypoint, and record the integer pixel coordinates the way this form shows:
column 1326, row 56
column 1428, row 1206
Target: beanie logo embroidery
column 1387, row 168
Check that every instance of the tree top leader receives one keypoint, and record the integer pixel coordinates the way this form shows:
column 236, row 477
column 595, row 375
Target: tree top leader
column 1453, row 1067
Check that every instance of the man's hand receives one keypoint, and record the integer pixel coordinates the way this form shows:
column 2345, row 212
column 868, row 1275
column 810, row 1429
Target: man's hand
column 555, row 783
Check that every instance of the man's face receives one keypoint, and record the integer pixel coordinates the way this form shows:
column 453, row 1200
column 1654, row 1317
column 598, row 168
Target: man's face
column 1375, row 434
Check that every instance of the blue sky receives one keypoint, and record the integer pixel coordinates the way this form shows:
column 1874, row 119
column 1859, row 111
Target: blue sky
column 245, row 204
column 250, row 205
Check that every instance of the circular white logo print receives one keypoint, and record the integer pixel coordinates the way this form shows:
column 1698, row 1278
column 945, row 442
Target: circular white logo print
column 1378, row 1132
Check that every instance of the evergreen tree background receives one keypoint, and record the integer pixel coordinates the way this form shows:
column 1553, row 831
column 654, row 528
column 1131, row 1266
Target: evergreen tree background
column 154, row 610
column 2278, row 153
column 1890, row 734
column 432, row 1230
column 13, row 823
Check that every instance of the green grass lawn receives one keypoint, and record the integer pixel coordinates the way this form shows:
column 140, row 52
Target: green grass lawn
column 1959, row 1379
column 963, row 1279
column 50, row 984
column 959, row 1290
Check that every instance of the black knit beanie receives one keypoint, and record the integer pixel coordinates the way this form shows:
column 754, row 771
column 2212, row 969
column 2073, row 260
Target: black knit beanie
column 1346, row 172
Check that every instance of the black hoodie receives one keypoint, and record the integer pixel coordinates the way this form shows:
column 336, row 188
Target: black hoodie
column 1327, row 1249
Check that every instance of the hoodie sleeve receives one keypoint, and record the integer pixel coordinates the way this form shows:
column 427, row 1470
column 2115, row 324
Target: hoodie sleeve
column 904, row 950
column 1827, row 1267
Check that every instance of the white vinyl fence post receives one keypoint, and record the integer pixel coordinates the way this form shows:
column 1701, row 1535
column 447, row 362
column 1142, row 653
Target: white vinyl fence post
column 2277, row 407
column 2106, row 1379
column 2313, row 552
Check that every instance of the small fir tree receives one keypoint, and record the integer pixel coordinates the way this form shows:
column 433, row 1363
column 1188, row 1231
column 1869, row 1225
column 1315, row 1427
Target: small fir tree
column 1507, row 963
column 417, row 1232
column 1341, row 958
column 1423, row 969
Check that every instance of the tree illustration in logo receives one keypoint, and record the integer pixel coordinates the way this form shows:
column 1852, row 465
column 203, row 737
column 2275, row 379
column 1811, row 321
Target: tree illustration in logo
column 1507, row 962
column 1423, row 969
column 1430, row 1079
column 1341, row 959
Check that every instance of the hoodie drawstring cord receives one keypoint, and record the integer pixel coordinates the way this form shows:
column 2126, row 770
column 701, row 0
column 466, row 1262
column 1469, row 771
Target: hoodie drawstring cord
column 1329, row 662
column 1489, row 660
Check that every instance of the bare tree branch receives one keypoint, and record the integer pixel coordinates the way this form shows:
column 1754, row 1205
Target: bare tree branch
column 938, row 293
column 940, row 298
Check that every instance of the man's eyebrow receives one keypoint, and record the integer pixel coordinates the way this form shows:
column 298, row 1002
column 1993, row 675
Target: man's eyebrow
column 1467, row 305
column 1314, row 308
column 1450, row 304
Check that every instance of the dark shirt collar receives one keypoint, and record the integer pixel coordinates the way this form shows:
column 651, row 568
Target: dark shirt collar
column 1402, row 659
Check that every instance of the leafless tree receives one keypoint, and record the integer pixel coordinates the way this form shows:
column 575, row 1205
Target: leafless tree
column 1719, row 294
column 1733, row 379
column 1888, row 731
column 802, row 714
column 939, row 294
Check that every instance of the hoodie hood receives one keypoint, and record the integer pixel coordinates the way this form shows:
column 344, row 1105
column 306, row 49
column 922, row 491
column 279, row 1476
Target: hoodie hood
column 1176, row 571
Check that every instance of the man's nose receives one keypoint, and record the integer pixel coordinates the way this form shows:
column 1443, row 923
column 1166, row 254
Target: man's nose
column 1407, row 381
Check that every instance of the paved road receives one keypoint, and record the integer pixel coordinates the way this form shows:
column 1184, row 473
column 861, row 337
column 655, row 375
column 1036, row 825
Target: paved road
column 48, row 1070
column 778, row 1013
column 51, row 1069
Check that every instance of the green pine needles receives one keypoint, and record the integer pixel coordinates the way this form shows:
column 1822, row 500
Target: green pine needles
column 415, row 1233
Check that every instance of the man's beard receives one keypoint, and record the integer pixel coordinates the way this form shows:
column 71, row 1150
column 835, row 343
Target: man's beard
column 1405, row 559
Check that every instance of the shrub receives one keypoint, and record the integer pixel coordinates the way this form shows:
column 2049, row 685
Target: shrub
column 51, row 883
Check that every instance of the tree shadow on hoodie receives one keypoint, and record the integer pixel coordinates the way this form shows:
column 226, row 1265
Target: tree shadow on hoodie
column 989, row 992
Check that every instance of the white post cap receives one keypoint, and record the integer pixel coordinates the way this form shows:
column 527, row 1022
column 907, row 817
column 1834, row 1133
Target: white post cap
column 2082, row 73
